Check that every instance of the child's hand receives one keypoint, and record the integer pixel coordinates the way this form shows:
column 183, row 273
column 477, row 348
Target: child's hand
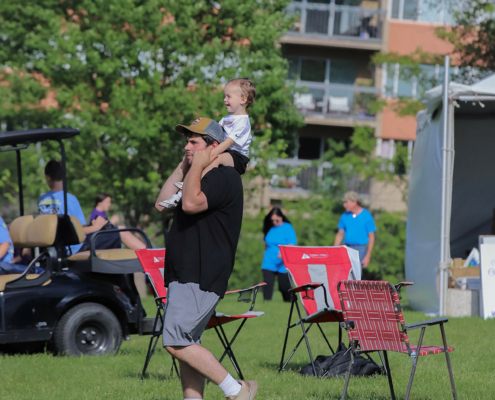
column 204, row 158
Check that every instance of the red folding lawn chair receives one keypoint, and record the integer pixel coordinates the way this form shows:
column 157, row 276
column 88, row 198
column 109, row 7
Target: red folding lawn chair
column 315, row 272
column 153, row 262
column 372, row 317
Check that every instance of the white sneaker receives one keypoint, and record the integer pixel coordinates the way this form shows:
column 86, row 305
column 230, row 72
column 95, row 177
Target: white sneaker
column 179, row 185
column 165, row 204
column 172, row 202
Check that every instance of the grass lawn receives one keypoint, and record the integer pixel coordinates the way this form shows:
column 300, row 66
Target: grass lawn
column 258, row 351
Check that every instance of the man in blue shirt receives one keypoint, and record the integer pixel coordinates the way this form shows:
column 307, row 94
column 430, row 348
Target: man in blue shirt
column 356, row 228
column 52, row 202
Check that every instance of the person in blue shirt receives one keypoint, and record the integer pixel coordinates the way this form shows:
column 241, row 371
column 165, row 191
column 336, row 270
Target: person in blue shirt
column 7, row 254
column 356, row 228
column 278, row 231
column 52, row 202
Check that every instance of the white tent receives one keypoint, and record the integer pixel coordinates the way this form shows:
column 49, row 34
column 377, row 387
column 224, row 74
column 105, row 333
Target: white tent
column 450, row 203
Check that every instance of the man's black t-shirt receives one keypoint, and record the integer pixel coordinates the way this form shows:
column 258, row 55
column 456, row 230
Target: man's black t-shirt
column 201, row 247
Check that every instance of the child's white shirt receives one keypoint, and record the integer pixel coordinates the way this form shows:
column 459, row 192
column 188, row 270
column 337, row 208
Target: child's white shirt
column 238, row 128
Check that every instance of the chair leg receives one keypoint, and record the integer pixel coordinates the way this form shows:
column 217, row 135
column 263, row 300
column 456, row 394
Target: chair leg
column 228, row 349
column 385, row 369
column 447, row 356
column 348, row 376
column 415, row 363
column 389, row 375
column 233, row 339
column 295, row 348
column 155, row 335
column 306, row 338
column 287, row 334
column 326, row 340
column 174, row 365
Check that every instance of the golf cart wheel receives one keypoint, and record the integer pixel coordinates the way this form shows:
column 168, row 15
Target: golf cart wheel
column 89, row 329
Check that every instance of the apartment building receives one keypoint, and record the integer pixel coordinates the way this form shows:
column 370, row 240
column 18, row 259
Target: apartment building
column 330, row 50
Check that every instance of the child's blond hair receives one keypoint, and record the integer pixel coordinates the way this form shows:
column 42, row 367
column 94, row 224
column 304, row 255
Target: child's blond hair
column 247, row 89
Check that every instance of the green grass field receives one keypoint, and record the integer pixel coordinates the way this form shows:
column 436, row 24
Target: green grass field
column 258, row 350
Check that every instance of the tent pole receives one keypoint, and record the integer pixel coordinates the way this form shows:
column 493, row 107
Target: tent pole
column 445, row 195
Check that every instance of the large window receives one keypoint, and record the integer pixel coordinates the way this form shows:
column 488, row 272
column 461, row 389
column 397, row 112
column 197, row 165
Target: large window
column 435, row 11
column 343, row 72
column 403, row 82
column 313, row 70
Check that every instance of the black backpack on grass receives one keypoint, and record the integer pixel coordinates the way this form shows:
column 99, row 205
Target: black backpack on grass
column 335, row 366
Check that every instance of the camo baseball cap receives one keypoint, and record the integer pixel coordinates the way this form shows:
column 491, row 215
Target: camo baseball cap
column 203, row 126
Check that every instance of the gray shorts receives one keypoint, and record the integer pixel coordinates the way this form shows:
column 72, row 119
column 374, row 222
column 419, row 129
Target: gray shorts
column 187, row 312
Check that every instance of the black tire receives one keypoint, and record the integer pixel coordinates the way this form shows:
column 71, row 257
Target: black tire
column 88, row 329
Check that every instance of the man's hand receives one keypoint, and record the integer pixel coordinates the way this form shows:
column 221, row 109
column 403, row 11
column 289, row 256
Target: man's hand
column 115, row 219
column 203, row 158
column 98, row 222
column 366, row 261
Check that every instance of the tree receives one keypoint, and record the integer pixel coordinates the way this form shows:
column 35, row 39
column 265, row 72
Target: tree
column 126, row 72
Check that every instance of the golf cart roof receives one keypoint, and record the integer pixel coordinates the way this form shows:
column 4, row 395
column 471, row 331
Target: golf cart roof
column 14, row 138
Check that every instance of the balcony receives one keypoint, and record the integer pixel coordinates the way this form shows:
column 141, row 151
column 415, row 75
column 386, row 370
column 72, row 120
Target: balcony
column 337, row 22
column 292, row 175
column 332, row 100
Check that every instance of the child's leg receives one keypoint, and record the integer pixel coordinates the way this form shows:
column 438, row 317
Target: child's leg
column 222, row 159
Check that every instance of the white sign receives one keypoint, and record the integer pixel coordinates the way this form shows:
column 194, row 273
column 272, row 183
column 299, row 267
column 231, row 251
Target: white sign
column 487, row 276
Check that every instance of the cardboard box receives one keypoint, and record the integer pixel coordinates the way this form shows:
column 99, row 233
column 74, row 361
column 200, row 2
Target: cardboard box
column 459, row 272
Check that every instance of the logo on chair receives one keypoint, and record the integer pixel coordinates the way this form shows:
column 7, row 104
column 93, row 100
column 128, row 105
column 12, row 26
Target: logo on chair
column 158, row 259
column 305, row 257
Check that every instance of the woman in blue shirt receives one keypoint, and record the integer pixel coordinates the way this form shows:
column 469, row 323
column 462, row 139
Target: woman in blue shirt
column 278, row 231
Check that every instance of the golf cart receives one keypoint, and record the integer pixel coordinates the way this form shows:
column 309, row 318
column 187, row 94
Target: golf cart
column 83, row 303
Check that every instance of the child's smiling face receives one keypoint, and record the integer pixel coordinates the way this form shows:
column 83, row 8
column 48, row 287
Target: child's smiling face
column 234, row 100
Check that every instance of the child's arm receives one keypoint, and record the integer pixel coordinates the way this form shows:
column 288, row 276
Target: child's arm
column 222, row 147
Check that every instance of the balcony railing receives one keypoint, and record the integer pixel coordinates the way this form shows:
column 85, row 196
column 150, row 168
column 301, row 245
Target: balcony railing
column 337, row 22
column 336, row 100
column 292, row 175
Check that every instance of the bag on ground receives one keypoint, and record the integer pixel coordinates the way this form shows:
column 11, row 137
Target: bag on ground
column 335, row 366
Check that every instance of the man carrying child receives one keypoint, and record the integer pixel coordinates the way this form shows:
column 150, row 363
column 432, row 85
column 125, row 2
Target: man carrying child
column 200, row 255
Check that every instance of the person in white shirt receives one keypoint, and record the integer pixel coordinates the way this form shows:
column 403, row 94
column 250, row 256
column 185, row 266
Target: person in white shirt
column 233, row 151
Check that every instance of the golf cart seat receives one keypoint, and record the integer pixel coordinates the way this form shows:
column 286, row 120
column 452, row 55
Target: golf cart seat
column 7, row 278
column 46, row 230
column 59, row 230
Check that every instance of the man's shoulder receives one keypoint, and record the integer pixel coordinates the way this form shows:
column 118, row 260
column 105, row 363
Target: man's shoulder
column 367, row 213
column 223, row 171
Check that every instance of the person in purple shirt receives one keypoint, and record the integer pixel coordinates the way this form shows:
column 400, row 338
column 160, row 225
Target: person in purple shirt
column 103, row 202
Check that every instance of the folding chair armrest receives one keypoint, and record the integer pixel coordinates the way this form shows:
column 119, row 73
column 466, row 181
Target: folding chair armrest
column 306, row 287
column 424, row 324
column 245, row 290
column 400, row 284
column 254, row 288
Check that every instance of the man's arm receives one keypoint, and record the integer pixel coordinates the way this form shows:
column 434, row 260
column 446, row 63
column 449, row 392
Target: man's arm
column 168, row 188
column 194, row 200
column 4, row 248
column 338, row 238
column 366, row 260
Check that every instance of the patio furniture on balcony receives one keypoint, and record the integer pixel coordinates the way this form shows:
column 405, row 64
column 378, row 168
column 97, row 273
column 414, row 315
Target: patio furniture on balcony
column 338, row 104
column 304, row 101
